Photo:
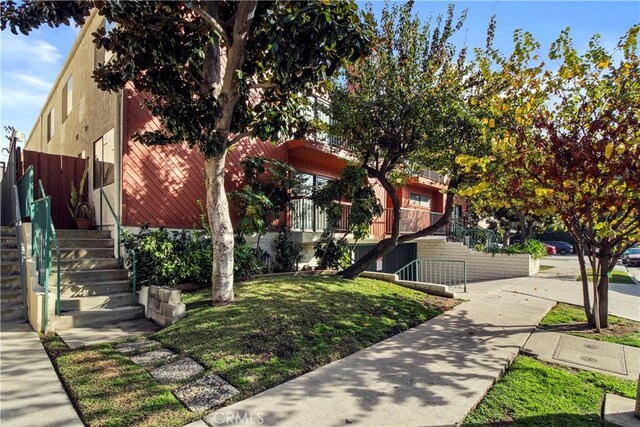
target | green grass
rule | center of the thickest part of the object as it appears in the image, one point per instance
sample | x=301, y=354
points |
x=275, y=330
x=572, y=319
x=545, y=267
x=108, y=389
x=533, y=393
x=280, y=328
x=617, y=276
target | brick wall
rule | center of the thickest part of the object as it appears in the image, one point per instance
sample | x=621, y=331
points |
x=480, y=265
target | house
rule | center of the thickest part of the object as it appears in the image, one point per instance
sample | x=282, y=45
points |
x=135, y=184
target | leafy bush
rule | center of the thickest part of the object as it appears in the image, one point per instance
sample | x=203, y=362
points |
x=167, y=258
x=331, y=252
x=247, y=260
x=535, y=248
x=288, y=253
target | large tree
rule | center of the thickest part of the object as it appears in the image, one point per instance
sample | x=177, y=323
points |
x=414, y=104
x=570, y=134
x=215, y=72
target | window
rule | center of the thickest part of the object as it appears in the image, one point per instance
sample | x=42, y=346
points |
x=103, y=160
x=421, y=200
x=67, y=98
x=102, y=56
x=50, y=124
x=457, y=211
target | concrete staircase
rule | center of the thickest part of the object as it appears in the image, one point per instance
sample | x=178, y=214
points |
x=11, y=301
x=94, y=292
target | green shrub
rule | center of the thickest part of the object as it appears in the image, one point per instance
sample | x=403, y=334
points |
x=167, y=258
x=332, y=253
x=247, y=260
x=288, y=253
x=535, y=248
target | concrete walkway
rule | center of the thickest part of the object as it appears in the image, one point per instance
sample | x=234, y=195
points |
x=430, y=375
x=31, y=393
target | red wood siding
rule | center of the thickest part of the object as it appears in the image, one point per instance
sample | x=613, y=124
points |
x=56, y=172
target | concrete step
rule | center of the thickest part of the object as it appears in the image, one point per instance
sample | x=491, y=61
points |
x=15, y=312
x=121, y=299
x=87, y=276
x=73, y=253
x=10, y=297
x=76, y=319
x=9, y=268
x=7, y=231
x=8, y=242
x=83, y=234
x=85, y=264
x=83, y=243
x=11, y=281
x=94, y=289
x=8, y=254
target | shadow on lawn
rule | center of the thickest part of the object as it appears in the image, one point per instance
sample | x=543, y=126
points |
x=552, y=420
x=301, y=331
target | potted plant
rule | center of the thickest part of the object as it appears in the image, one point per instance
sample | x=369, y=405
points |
x=80, y=208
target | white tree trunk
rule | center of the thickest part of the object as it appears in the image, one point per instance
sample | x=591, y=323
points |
x=221, y=230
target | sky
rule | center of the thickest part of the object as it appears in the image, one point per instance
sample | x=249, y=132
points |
x=30, y=65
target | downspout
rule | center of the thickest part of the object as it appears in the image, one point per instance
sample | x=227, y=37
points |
x=118, y=136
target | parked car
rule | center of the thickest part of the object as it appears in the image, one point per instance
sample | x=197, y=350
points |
x=563, y=248
x=631, y=257
x=551, y=250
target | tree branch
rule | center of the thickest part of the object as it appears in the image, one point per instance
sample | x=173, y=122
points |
x=238, y=137
x=217, y=25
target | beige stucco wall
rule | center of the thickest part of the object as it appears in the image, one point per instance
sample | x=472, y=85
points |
x=93, y=111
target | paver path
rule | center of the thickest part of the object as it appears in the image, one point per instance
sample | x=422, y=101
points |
x=430, y=375
x=31, y=393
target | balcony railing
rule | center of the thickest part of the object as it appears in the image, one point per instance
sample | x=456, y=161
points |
x=306, y=216
x=411, y=220
x=434, y=176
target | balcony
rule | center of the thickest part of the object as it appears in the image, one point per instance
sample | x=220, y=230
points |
x=435, y=176
x=412, y=220
x=306, y=216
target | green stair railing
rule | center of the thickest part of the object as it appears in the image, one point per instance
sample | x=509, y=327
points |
x=41, y=249
x=473, y=237
x=54, y=236
x=119, y=231
x=437, y=271
x=25, y=193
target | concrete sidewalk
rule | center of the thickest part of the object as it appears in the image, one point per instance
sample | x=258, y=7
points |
x=431, y=375
x=30, y=393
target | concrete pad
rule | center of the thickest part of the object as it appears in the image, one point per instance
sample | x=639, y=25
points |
x=206, y=393
x=31, y=393
x=198, y=423
x=584, y=353
x=153, y=356
x=78, y=337
x=619, y=411
x=433, y=374
x=133, y=346
x=177, y=371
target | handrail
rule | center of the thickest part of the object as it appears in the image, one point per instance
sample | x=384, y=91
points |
x=26, y=209
x=440, y=271
x=54, y=235
x=22, y=255
x=119, y=230
x=41, y=249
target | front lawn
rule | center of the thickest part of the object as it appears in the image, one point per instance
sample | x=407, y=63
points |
x=277, y=329
x=533, y=393
x=572, y=320
x=280, y=328
x=617, y=276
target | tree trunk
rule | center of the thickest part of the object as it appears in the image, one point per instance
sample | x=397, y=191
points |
x=585, y=284
x=523, y=225
x=221, y=230
x=603, y=293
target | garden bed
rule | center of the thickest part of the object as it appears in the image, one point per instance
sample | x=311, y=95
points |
x=278, y=328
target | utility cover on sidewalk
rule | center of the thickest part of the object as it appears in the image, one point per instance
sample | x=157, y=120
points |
x=594, y=354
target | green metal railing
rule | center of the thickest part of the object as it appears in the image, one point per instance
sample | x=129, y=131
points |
x=21, y=253
x=437, y=271
x=54, y=236
x=25, y=193
x=475, y=238
x=119, y=231
x=41, y=249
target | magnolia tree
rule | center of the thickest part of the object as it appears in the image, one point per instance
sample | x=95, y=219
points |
x=215, y=72
x=570, y=135
x=414, y=104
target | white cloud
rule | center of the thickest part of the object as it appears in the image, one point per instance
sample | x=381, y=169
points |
x=29, y=50
x=31, y=80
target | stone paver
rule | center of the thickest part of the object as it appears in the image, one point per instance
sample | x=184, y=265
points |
x=583, y=353
x=430, y=375
x=619, y=411
x=153, y=356
x=177, y=371
x=78, y=337
x=206, y=393
x=31, y=393
x=133, y=346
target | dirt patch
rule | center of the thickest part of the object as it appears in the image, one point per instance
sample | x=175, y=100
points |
x=584, y=329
